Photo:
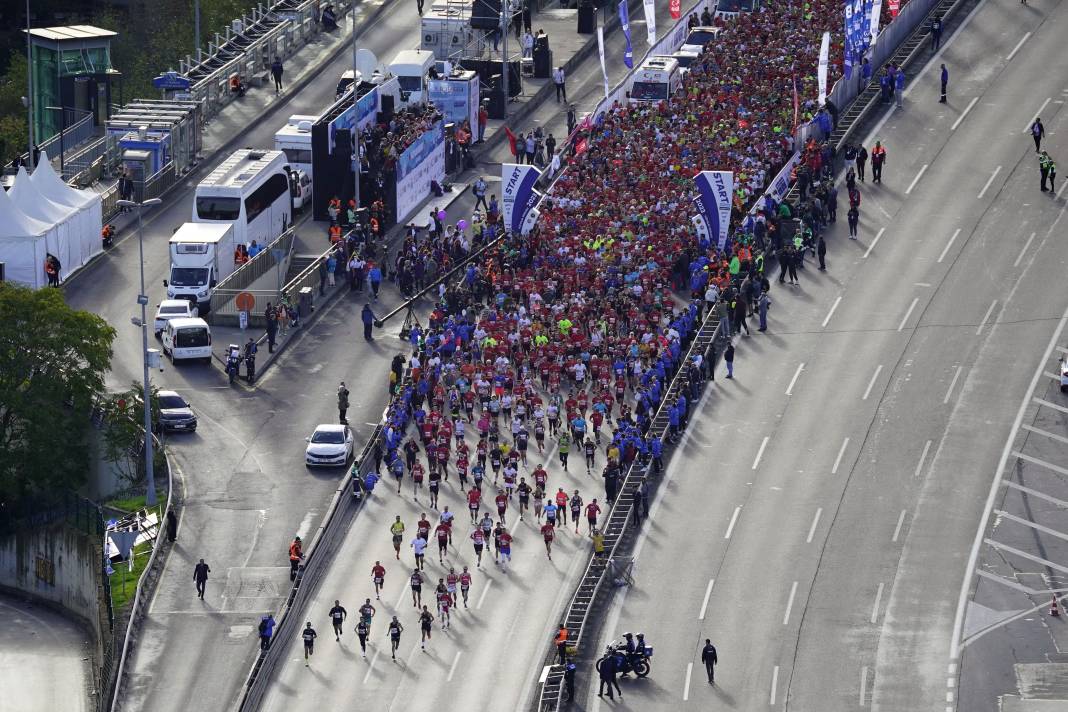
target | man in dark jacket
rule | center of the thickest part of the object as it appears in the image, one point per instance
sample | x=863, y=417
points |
x=200, y=577
x=709, y=658
x=368, y=318
x=607, y=669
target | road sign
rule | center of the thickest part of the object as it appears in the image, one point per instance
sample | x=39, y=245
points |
x=245, y=301
x=242, y=320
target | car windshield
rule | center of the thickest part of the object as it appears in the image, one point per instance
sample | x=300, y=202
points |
x=189, y=276
x=169, y=402
x=700, y=38
x=649, y=91
x=333, y=437
x=176, y=309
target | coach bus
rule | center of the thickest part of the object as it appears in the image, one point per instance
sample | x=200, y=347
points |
x=250, y=189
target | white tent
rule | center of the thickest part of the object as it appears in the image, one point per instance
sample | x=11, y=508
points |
x=87, y=202
x=23, y=245
x=66, y=244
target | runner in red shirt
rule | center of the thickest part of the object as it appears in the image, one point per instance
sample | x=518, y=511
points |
x=465, y=584
x=474, y=498
x=378, y=575
x=478, y=537
x=592, y=510
x=548, y=532
x=444, y=604
x=502, y=504
x=561, y=505
x=442, y=533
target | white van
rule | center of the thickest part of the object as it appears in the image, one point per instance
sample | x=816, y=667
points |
x=656, y=80
x=186, y=339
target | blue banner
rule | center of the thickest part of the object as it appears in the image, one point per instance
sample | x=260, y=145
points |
x=857, y=32
x=420, y=149
x=714, y=202
x=624, y=21
x=518, y=195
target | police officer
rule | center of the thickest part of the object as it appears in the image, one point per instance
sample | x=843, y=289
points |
x=709, y=658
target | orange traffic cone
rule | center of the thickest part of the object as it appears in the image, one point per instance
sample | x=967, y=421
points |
x=1054, y=609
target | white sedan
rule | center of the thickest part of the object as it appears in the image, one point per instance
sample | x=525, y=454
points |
x=329, y=445
x=172, y=309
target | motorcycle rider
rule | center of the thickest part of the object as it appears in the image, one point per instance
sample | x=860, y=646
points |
x=250, y=360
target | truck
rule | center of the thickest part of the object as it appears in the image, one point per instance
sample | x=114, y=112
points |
x=202, y=255
x=411, y=67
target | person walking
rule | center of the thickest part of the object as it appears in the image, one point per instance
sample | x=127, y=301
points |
x=1038, y=132
x=728, y=358
x=266, y=629
x=558, y=80
x=276, y=73
x=821, y=253
x=172, y=525
x=368, y=318
x=342, y=402
x=862, y=159
x=572, y=120
x=854, y=220
x=296, y=554
x=479, y=189
x=878, y=158
x=709, y=658
x=200, y=577
x=764, y=302
x=936, y=33
x=899, y=85
x=945, y=81
x=607, y=669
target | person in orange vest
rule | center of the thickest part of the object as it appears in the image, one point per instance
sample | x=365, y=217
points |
x=296, y=554
x=561, y=643
x=878, y=158
x=335, y=233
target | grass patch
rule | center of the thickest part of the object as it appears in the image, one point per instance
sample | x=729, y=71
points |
x=132, y=504
x=124, y=581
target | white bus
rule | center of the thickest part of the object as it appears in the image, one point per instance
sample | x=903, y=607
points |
x=294, y=140
x=250, y=189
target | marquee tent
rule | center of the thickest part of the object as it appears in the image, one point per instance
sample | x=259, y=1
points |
x=86, y=202
x=66, y=242
x=23, y=245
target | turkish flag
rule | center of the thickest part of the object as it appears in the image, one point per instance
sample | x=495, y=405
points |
x=511, y=140
x=581, y=146
x=675, y=6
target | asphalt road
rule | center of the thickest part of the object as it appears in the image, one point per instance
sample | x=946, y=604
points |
x=842, y=474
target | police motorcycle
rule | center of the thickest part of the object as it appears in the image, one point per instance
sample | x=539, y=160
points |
x=632, y=655
x=233, y=361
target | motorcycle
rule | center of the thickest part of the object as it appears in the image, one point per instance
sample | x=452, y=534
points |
x=233, y=362
x=637, y=662
x=107, y=236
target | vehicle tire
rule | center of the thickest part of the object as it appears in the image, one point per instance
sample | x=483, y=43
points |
x=641, y=668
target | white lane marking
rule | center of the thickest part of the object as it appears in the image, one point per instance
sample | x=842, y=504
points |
x=841, y=451
x=1043, y=401
x=704, y=603
x=686, y=687
x=905, y=319
x=949, y=391
x=878, y=601
x=1012, y=54
x=963, y=114
x=863, y=685
x=1063, y=185
x=871, y=383
x=872, y=245
x=1034, y=116
x=1024, y=250
x=789, y=604
x=1041, y=463
x=831, y=312
x=916, y=179
x=760, y=452
x=790, y=388
x=948, y=245
x=988, y=182
x=452, y=668
x=483, y=596
x=897, y=529
x=371, y=667
x=815, y=523
x=774, y=683
x=995, y=487
x=986, y=316
x=734, y=519
x=923, y=457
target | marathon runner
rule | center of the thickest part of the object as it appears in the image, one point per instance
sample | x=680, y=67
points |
x=426, y=622
x=397, y=530
x=378, y=575
x=395, y=630
x=478, y=537
x=465, y=583
x=548, y=532
x=308, y=635
x=337, y=617
x=417, y=588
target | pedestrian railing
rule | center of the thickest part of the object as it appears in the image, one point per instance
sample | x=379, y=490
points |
x=252, y=277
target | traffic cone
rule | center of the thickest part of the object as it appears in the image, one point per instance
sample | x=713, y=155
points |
x=1054, y=609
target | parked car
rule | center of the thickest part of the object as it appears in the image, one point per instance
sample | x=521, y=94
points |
x=175, y=413
x=329, y=445
x=172, y=309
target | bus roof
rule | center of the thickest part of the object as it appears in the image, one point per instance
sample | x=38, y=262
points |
x=243, y=166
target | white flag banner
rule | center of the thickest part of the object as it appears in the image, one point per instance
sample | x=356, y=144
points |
x=600, y=51
x=821, y=74
x=876, y=10
x=650, y=21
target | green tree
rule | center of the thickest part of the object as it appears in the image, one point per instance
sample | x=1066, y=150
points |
x=52, y=364
x=123, y=432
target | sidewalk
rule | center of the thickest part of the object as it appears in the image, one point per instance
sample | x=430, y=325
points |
x=44, y=659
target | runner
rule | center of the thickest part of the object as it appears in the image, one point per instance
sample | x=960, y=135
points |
x=592, y=510
x=561, y=506
x=395, y=630
x=367, y=612
x=591, y=451
x=541, y=477
x=338, y=614
x=419, y=545
x=524, y=496
x=418, y=473
x=444, y=604
x=576, y=509
x=362, y=629
x=548, y=532
x=502, y=503
x=539, y=500
x=550, y=512
x=442, y=533
x=465, y=583
x=397, y=530
x=478, y=537
x=309, y=635
x=478, y=473
x=378, y=575
x=417, y=588
x=506, y=549
x=451, y=579
x=539, y=435
x=433, y=485
x=474, y=500
x=426, y=622
x=497, y=531
x=446, y=519
x=563, y=447
x=422, y=527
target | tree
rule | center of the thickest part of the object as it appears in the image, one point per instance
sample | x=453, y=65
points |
x=52, y=364
x=123, y=432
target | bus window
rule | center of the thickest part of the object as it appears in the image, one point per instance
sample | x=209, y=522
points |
x=218, y=208
x=263, y=197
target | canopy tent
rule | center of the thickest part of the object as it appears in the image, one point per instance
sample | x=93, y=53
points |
x=66, y=243
x=87, y=202
x=23, y=245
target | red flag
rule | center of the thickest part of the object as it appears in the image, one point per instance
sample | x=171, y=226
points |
x=581, y=146
x=895, y=6
x=511, y=140
x=675, y=6
x=797, y=101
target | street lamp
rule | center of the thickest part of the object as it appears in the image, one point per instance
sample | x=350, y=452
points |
x=142, y=299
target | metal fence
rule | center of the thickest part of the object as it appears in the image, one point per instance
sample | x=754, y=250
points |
x=42, y=510
x=250, y=277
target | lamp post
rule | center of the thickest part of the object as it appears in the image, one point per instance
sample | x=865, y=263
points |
x=357, y=164
x=142, y=299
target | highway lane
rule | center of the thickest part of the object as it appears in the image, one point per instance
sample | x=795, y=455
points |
x=836, y=585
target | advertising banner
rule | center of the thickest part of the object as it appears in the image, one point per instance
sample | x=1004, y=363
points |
x=821, y=73
x=456, y=100
x=360, y=115
x=715, y=190
x=600, y=53
x=518, y=197
x=421, y=163
x=624, y=22
x=857, y=31
x=650, y=21
x=876, y=11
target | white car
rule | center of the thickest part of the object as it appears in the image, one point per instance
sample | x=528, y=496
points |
x=300, y=189
x=698, y=38
x=173, y=309
x=329, y=445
